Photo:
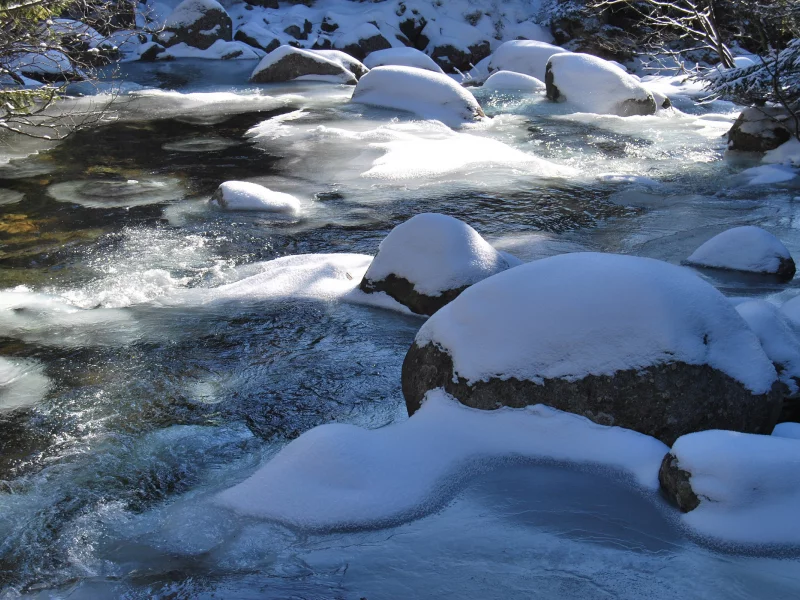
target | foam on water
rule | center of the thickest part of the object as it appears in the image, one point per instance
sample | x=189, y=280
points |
x=22, y=383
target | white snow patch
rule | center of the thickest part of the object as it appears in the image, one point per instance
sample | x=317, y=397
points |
x=403, y=57
x=425, y=93
x=508, y=81
x=769, y=174
x=787, y=430
x=777, y=335
x=435, y=253
x=191, y=11
x=746, y=248
x=524, y=56
x=219, y=50
x=244, y=195
x=339, y=475
x=787, y=153
x=582, y=314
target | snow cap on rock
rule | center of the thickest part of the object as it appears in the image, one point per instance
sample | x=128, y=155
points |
x=244, y=195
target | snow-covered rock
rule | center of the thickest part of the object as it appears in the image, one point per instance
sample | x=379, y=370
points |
x=429, y=260
x=508, y=81
x=287, y=63
x=594, y=85
x=523, y=56
x=355, y=66
x=243, y=195
x=403, y=57
x=455, y=45
x=256, y=35
x=739, y=487
x=47, y=65
x=424, y=93
x=622, y=340
x=748, y=249
x=760, y=128
x=361, y=41
x=778, y=337
x=197, y=23
x=219, y=50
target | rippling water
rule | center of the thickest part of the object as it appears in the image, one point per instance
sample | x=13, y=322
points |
x=143, y=398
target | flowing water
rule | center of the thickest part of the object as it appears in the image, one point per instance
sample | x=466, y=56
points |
x=145, y=366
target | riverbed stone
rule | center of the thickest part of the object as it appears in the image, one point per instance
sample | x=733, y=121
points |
x=676, y=484
x=759, y=129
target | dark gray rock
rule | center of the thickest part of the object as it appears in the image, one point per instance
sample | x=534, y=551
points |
x=150, y=52
x=366, y=46
x=241, y=36
x=664, y=401
x=213, y=24
x=264, y=3
x=676, y=484
x=403, y=291
x=296, y=32
x=759, y=129
x=450, y=58
x=328, y=25
x=296, y=64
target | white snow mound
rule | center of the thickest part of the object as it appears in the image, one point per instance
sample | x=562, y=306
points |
x=340, y=475
x=777, y=335
x=582, y=314
x=594, y=85
x=436, y=253
x=745, y=248
x=524, y=56
x=243, y=195
x=424, y=93
x=402, y=57
x=191, y=11
x=748, y=485
x=787, y=430
x=508, y=81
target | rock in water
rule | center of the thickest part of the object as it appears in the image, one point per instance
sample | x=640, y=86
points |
x=759, y=129
x=425, y=93
x=287, y=63
x=747, y=248
x=429, y=260
x=198, y=23
x=244, y=195
x=594, y=85
x=622, y=340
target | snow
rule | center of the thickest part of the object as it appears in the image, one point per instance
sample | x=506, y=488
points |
x=769, y=174
x=404, y=57
x=594, y=85
x=435, y=253
x=787, y=430
x=69, y=27
x=191, y=11
x=338, y=475
x=344, y=60
x=243, y=195
x=48, y=62
x=778, y=337
x=582, y=314
x=219, y=50
x=352, y=36
x=786, y=153
x=282, y=52
x=424, y=93
x=746, y=248
x=507, y=81
x=524, y=56
x=791, y=308
x=22, y=383
x=748, y=485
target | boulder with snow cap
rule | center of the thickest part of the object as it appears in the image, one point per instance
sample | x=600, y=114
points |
x=455, y=58
x=429, y=260
x=760, y=128
x=361, y=41
x=197, y=23
x=425, y=93
x=287, y=63
x=626, y=341
x=508, y=81
x=403, y=57
x=747, y=248
x=594, y=85
x=523, y=56
x=356, y=67
x=256, y=35
x=244, y=195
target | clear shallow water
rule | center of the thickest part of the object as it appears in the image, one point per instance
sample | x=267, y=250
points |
x=155, y=400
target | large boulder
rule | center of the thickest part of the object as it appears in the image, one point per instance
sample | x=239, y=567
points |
x=622, y=340
x=429, y=260
x=749, y=249
x=403, y=57
x=361, y=41
x=256, y=35
x=286, y=63
x=523, y=56
x=456, y=57
x=425, y=93
x=355, y=66
x=760, y=128
x=197, y=23
x=594, y=85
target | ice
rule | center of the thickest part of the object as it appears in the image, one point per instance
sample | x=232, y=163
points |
x=190, y=11
x=340, y=476
x=107, y=193
x=769, y=174
x=746, y=248
x=582, y=314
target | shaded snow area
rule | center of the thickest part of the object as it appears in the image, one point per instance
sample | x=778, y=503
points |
x=584, y=314
x=745, y=248
x=341, y=476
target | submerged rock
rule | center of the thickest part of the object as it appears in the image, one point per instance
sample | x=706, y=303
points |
x=287, y=63
x=594, y=85
x=759, y=129
x=750, y=249
x=622, y=340
x=429, y=260
x=197, y=23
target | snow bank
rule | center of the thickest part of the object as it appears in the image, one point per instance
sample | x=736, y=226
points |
x=507, y=81
x=424, y=93
x=22, y=383
x=243, y=195
x=787, y=430
x=435, y=253
x=582, y=314
x=787, y=153
x=524, y=56
x=748, y=485
x=594, y=85
x=745, y=248
x=402, y=57
x=777, y=335
x=337, y=475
